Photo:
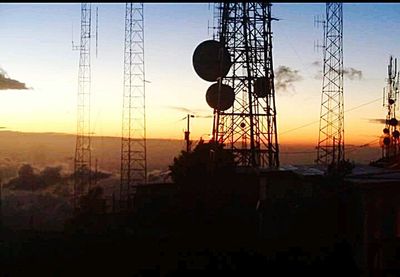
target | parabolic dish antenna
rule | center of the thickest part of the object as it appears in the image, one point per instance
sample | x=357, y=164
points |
x=211, y=60
x=226, y=97
x=262, y=87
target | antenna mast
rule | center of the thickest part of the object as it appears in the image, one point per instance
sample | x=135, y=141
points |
x=390, y=133
x=82, y=162
x=133, y=141
x=245, y=31
x=330, y=149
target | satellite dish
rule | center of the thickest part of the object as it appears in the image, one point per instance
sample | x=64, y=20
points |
x=226, y=97
x=386, y=141
x=393, y=122
x=262, y=86
x=386, y=131
x=211, y=60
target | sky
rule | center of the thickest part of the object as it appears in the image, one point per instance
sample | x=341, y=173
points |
x=36, y=49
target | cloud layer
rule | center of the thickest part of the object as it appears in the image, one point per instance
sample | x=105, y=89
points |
x=285, y=77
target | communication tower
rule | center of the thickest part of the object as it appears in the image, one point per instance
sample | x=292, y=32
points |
x=390, y=138
x=239, y=62
x=330, y=149
x=133, y=141
x=82, y=161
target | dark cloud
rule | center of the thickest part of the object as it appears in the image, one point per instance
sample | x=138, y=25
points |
x=193, y=112
x=383, y=121
x=349, y=73
x=377, y=120
x=28, y=179
x=285, y=77
x=352, y=73
x=182, y=109
x=318, y=75
x=316, y=63
x=7, y=83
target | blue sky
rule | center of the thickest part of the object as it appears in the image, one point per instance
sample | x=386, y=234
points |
x=35, y=48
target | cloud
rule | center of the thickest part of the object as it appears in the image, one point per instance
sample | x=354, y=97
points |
x=8, y=83
x=192, y=111
x=318, y=75
x=349, y=72
x=285, y=77
x=352, y=73
x=316, y=63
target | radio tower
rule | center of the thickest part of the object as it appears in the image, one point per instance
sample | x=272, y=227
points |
x=82, y=162
x=330, y=149
x=133, y=142
x=244, y=108
x=390, y=146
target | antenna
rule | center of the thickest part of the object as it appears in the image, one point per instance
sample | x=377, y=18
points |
x=74, y=47
x=391, y=135
x=330, y=149
x=97, y=28
x=318, y=22
x=72, y=34
x=82, y=161
x=133, y=139
x=241, y=56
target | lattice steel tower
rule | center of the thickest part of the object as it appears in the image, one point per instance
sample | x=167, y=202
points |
x=248, y=128
x=391, y=134
x=330, y=149
x=82, y=162
x=133, y=142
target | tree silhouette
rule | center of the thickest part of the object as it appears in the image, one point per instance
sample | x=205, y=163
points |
x=207, y=162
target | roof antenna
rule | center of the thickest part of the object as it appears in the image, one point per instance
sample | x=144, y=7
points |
x=97, y=28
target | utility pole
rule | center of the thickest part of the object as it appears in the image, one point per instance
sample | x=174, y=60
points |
x=187, y=133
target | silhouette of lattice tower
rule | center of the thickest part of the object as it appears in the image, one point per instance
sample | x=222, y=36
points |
x=249, y=127
x=133, y=141
x=390, y=138
x=330, y=149
x=82, y=161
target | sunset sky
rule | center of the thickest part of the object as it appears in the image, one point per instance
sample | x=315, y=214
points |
x=35, y=48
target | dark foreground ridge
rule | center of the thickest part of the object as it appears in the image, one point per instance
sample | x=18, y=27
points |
x=216, y=218
x=196, y=254
x=217, y=229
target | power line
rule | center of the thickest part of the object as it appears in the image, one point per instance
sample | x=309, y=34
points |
x=316, y=121
x=353, y=148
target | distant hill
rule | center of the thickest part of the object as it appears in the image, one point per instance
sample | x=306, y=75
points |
x=53, y=149
x=48, y=208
